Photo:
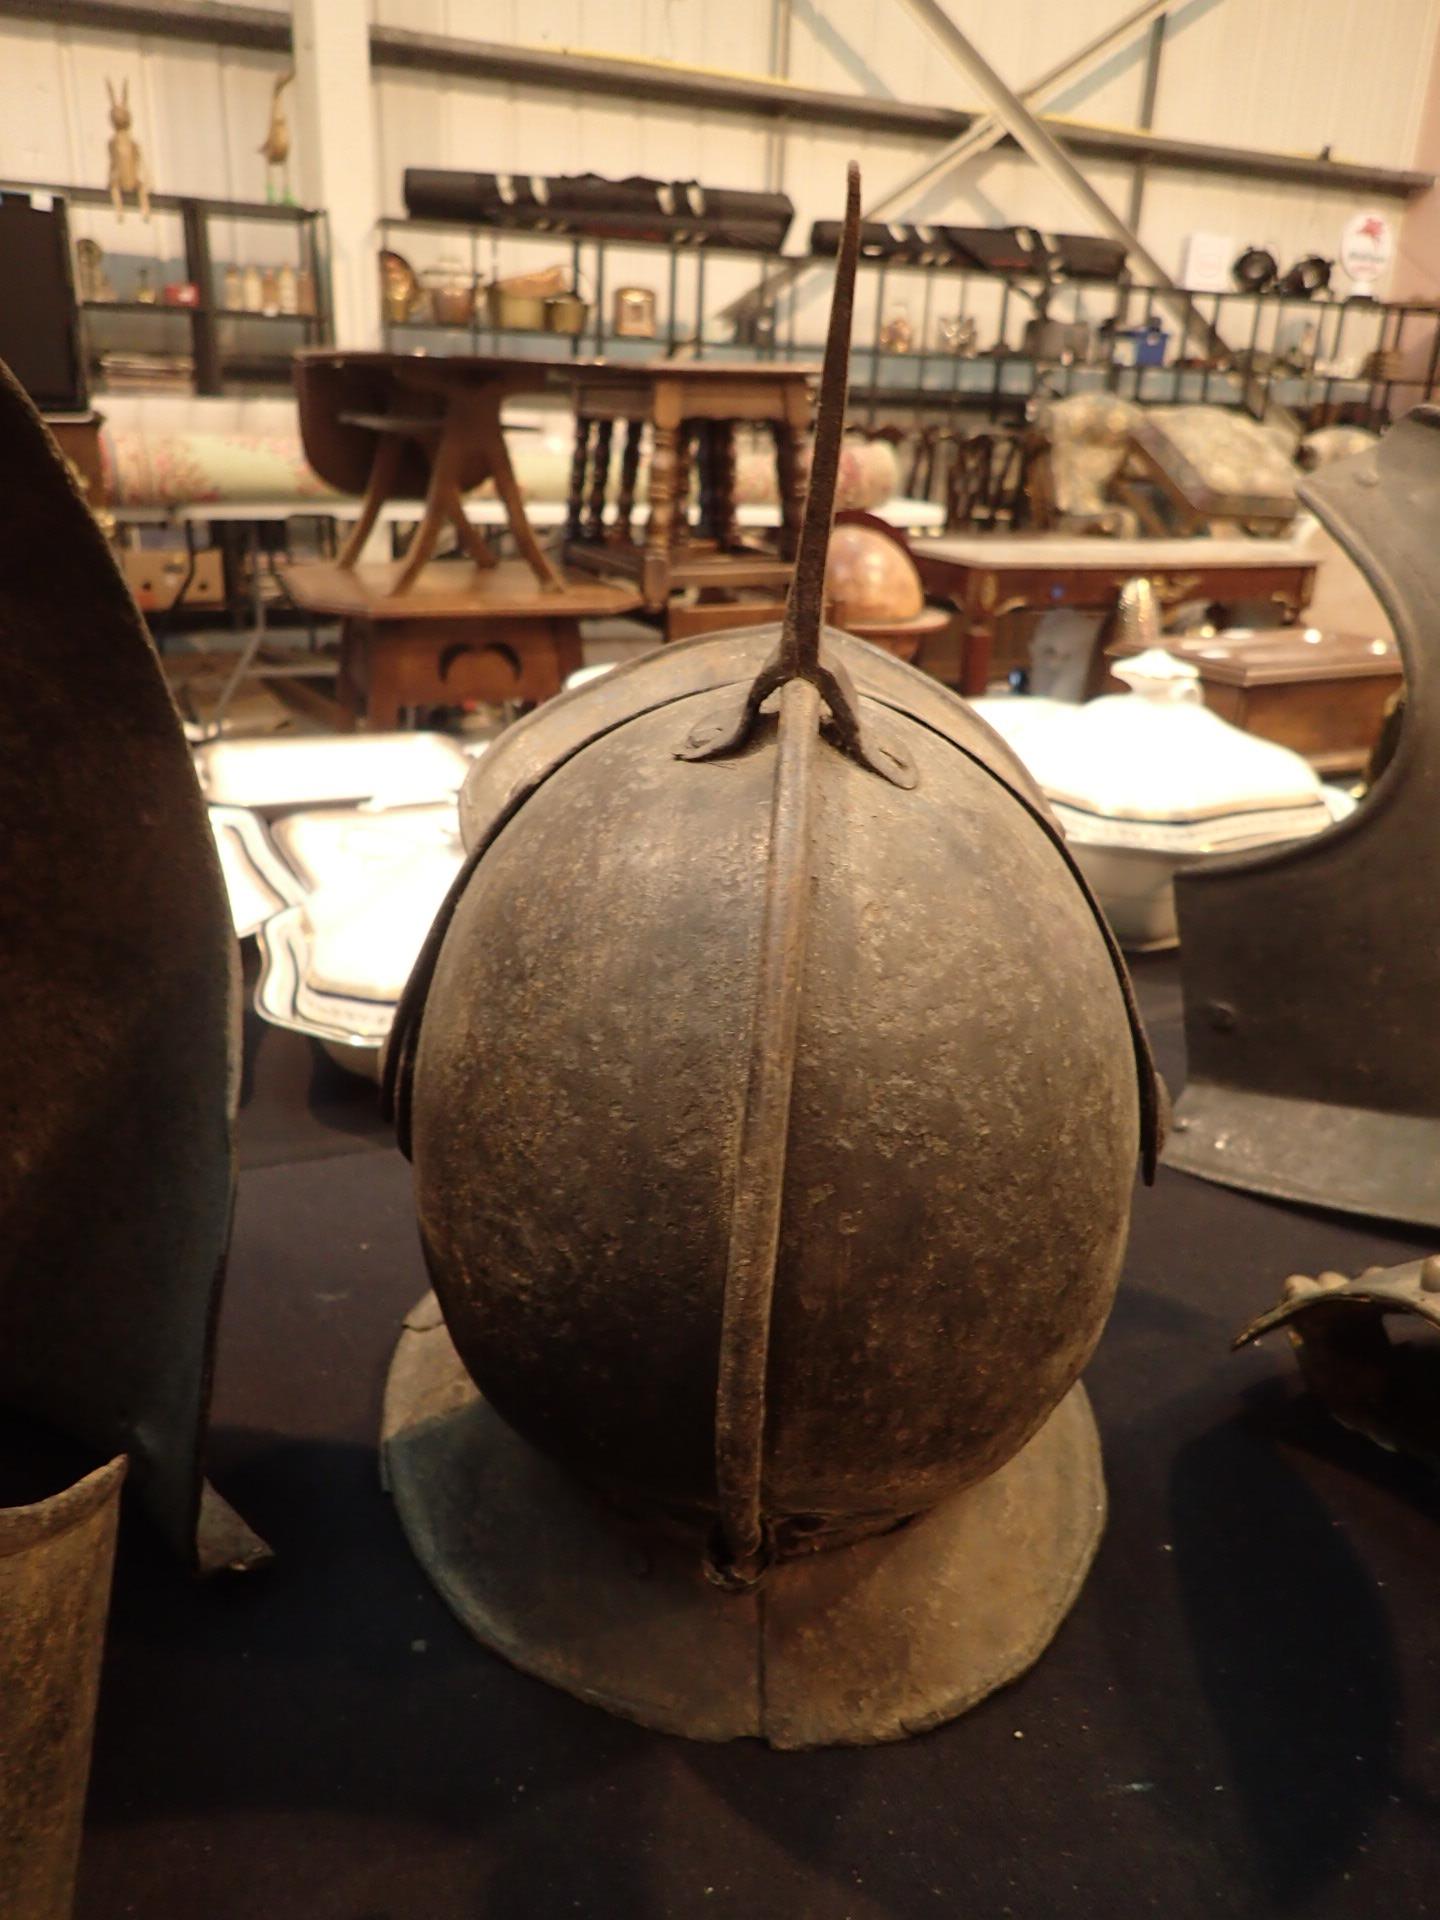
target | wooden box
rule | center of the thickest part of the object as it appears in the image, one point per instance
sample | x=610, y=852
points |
x=155, y=576
x=1324, y=694
x=78, y=437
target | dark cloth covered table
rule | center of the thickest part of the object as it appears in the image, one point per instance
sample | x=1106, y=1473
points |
x=1241, y=1716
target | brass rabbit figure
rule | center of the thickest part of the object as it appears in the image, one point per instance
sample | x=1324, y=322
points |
x=127, y=163
x=276, y=145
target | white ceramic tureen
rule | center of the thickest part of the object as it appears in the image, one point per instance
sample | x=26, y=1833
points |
x=1147, y=781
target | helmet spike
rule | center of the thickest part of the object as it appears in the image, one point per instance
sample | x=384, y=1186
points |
x=805, y=608
x=797, y=656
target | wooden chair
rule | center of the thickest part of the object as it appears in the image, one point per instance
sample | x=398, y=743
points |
x=987, y=482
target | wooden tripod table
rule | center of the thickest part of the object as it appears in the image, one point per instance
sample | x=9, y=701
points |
x=402, y=424
x=692, y=409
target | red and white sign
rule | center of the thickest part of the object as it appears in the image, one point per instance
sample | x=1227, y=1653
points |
x=1367, y=248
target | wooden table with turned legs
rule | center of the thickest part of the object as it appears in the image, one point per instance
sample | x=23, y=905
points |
x=691, y=411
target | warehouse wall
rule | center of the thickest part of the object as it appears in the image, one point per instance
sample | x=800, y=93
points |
x=1297, y=75
x=1289, y=75
x=200, y=116
x=1417, y=270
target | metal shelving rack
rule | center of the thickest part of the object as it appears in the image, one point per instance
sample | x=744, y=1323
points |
x=588, y=270
x=229, y=347
x=1002, y=381
x=1375, y=333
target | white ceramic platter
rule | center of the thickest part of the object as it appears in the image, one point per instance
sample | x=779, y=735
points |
x=258, y=880
x=272, y=775
x=355, y=849
x=334, y=965
x=352, y=1031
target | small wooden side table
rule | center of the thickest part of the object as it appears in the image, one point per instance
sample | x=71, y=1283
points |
x=692, y=410
x=388, y=424
x=442, y=641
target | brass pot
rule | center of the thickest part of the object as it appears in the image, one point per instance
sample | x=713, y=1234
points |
x=566, y=313
x=452, y=300
x=524, y=312
x=399, y=289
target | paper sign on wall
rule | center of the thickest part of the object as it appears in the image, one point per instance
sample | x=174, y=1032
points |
x=1205, y=262
x=1367, y=247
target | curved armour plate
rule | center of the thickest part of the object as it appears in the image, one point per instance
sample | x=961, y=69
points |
x=1382, y=1389
x=119, y=1053
x=1311, y=971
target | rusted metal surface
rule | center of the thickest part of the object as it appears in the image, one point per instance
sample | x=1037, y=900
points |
x=743, y=1549
x=1388, y=1392
x=774, y=1093
x=541, y=744
x=55, y=1561
x=963, y=1075
x=119, y=1024
x=1311, y=971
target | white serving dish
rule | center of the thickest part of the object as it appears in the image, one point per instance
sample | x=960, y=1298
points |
x=354, y=848
x=334, y=964
x=258, y=880
x=1148, y=781
x=272, y=775
x=352, y=1031
x=363, y=940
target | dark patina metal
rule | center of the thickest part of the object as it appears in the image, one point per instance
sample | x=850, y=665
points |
x=55, y=1560
x=119, y=1016
x=773, y=1088
x=1312, y=970
x=1387, y=1391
